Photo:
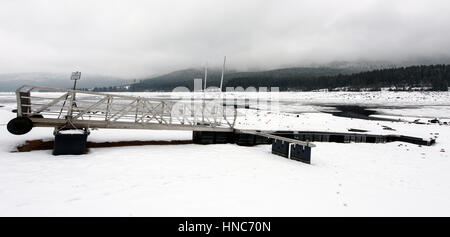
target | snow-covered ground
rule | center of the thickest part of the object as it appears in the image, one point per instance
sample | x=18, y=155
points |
x=394, y=179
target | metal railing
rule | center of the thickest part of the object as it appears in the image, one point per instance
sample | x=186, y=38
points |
x=54, y=107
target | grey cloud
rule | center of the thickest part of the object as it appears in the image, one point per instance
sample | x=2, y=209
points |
x=138, y=38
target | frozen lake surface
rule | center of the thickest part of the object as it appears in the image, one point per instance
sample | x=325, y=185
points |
x=393, y=179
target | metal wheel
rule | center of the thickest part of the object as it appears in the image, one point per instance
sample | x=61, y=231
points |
x=20, y=125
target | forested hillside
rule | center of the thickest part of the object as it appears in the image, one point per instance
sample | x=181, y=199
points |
x=433, y=77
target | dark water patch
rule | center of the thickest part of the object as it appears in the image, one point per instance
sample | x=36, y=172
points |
x=354, y=111
x=357, y=130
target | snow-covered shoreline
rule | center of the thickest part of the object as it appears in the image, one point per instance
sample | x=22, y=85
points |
x=394, y=179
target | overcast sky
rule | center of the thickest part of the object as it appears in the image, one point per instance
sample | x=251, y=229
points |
x=139, y=38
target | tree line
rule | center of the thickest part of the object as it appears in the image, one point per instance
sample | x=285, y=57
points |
x=433, y=77
x=424, y=77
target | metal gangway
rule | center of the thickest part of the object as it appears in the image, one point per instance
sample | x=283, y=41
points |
x=75, y=109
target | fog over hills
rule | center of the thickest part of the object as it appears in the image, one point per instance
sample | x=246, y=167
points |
x=284, y=77
x=11, y=81
x=184, y=77
x=170, y=80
